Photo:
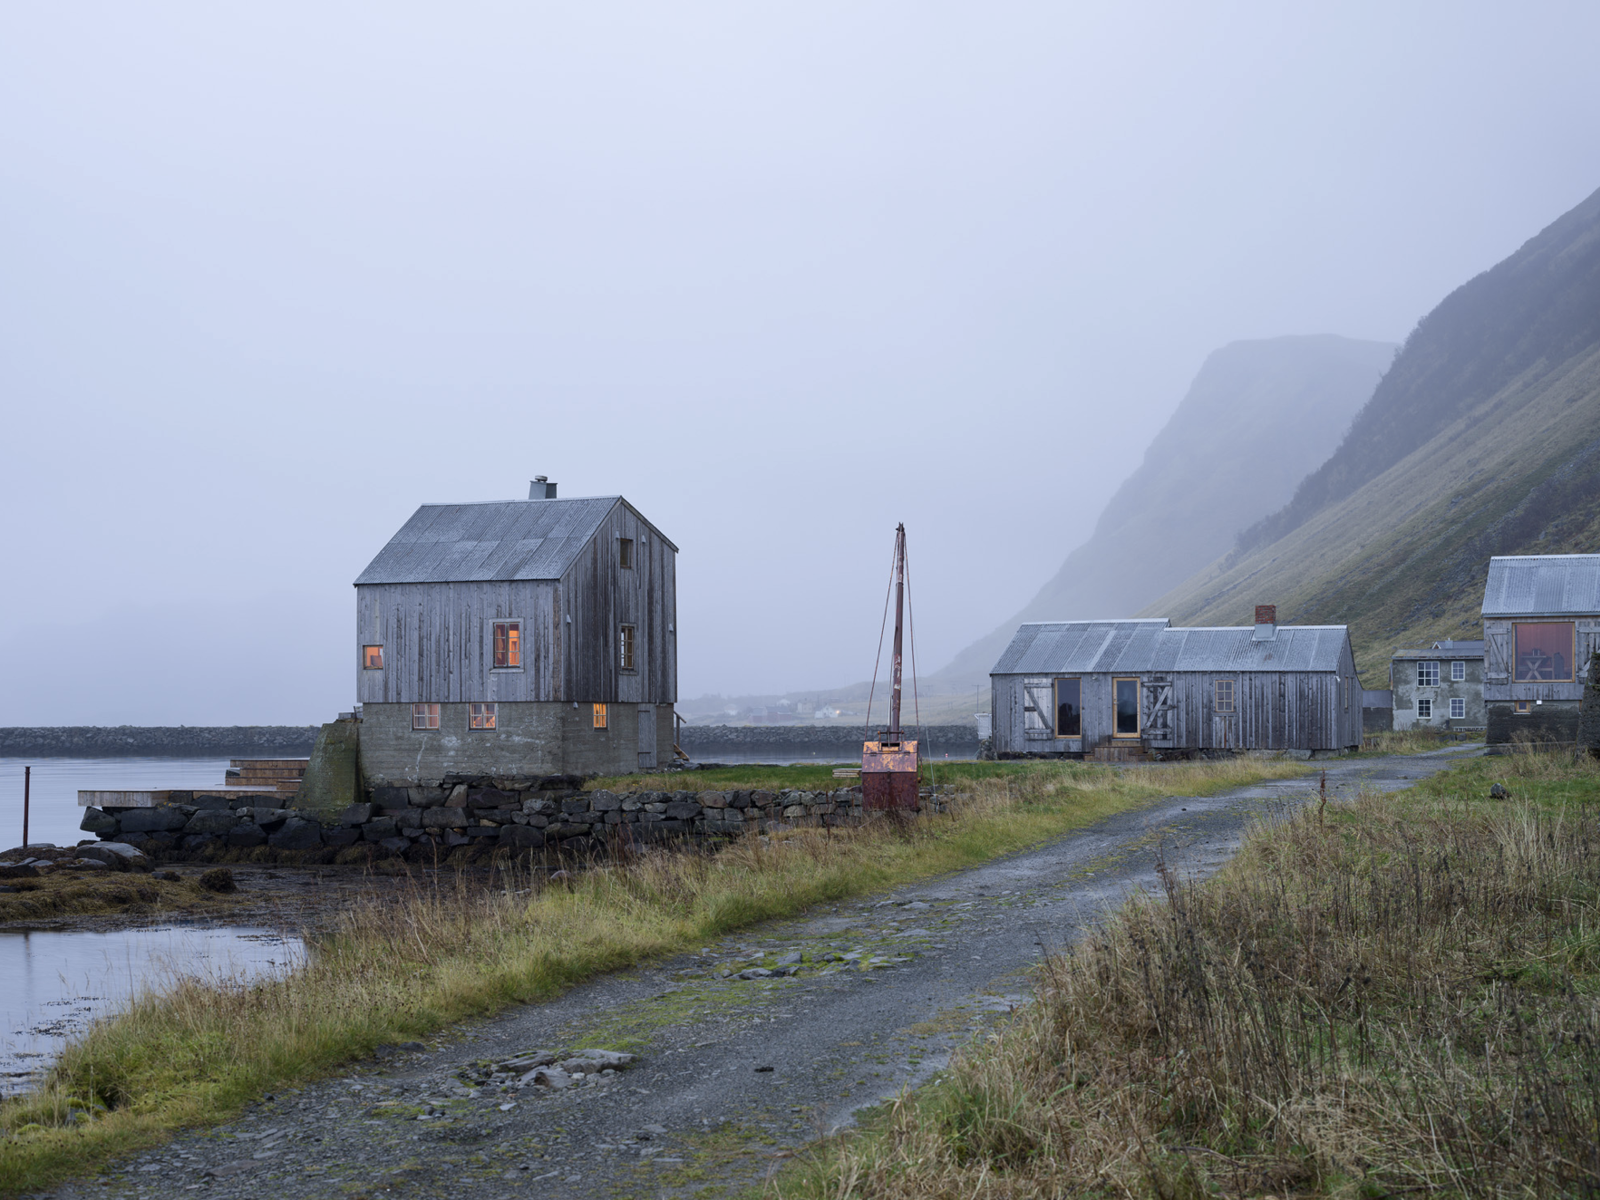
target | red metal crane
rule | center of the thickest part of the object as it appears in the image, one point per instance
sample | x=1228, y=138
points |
x=889, y=764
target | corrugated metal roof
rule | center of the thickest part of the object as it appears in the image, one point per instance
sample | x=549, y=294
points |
x=500, y=539
x=1138, y=646
x=1542, y=585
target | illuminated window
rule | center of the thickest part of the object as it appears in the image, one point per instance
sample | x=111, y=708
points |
x=1427, y=674
x=1069, y=708
x=1222, y=690
x=482, y=716
x=600, y=716
x=625, y=643
x=424, y=716
x=507, y=645
x=372, y=658
x=1522, y=707
x=1424, y=710
x=625, y=553
x=1458, y=672
x=1458, y=708
x=1544, y=652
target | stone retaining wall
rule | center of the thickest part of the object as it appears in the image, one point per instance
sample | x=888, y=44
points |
x=463, y=820
x=705, y=741
x=100, y=741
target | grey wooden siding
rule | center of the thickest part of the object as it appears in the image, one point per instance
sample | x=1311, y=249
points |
x=437, y=637
x=601, y=597
x=1276, y=710
x=1499, y=646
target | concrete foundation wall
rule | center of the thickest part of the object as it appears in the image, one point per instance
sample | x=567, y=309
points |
x=531, y=739
x=1552, y=721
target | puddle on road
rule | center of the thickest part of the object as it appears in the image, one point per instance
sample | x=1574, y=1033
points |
x=57, y=982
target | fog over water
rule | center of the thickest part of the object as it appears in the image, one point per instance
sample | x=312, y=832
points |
x=783, y=275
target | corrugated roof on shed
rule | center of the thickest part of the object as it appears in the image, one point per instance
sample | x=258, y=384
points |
x=495, y=540
x=1542, y=585
x=1138, y=646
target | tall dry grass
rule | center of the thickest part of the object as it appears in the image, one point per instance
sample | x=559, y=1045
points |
x=1399, y=999
x=405, y=965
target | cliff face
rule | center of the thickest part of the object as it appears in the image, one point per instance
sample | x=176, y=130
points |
x=1482, y=439
x=1258, y=417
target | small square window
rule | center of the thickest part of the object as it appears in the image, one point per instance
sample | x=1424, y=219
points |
x=1522, y=707
x=424, y=716
x=1458, y=708
x=1458, y=672
x=601, y=716
x=625, y=553
x=482, y=716
x=1223, y=691
x=625, y=645
x=372, y=658
x=507, y=645
x=1424, y=710
x=1427, y=674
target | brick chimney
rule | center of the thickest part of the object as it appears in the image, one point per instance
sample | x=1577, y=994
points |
x=1266, y=622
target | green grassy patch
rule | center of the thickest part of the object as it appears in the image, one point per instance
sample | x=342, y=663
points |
x=414, y=962
x=807, y=777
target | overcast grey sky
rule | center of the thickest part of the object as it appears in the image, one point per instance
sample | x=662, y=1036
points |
x=781, y=274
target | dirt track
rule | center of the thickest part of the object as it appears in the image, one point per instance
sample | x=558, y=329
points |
x=733, y=1074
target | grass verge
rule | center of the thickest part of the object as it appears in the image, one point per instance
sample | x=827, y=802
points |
x=1400, y=995
x=404, y=966
x=810, y=777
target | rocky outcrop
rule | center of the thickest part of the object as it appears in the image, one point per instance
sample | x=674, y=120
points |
x=463, y=820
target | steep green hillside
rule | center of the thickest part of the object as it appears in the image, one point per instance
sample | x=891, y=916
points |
x=1482, y=439
x=1258, y=416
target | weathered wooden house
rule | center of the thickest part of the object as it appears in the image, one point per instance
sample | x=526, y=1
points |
x=1121, y=688
x=1440, y=687
x=517, y=638
x=1541, y=621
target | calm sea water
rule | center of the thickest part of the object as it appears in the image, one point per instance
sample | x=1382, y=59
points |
x=57, y=982
x=54, y=813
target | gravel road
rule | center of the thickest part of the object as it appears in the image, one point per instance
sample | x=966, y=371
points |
x=733, y=1073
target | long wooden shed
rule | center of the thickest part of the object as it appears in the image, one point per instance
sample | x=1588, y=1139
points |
x=1115, y=688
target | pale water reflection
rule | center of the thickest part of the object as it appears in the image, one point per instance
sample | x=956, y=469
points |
x=54, y=814
x=54, y=983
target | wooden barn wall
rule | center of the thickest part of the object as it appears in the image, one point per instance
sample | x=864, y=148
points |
x=437, y=641
x=437, y=638
x=1498, y=643
x=1277, y=710
x=601, y=597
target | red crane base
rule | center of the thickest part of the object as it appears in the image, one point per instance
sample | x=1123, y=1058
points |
x=889, y=774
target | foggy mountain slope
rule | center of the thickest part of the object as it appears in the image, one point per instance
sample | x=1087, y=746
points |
x=1522, y=318
x=1258, y=417
x=1488, y=442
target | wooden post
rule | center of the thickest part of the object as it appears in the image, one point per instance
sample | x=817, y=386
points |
x=27, y=786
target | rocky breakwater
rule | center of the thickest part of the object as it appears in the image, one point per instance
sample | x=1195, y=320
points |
x=468, y=820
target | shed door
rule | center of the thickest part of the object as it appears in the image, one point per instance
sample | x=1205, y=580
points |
x=647, y=735
x=1038, y=698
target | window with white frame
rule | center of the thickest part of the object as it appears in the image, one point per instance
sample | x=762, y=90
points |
x=1424, y=710
x=1458, y=671
x=1458, y=708
x=1427, y=674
